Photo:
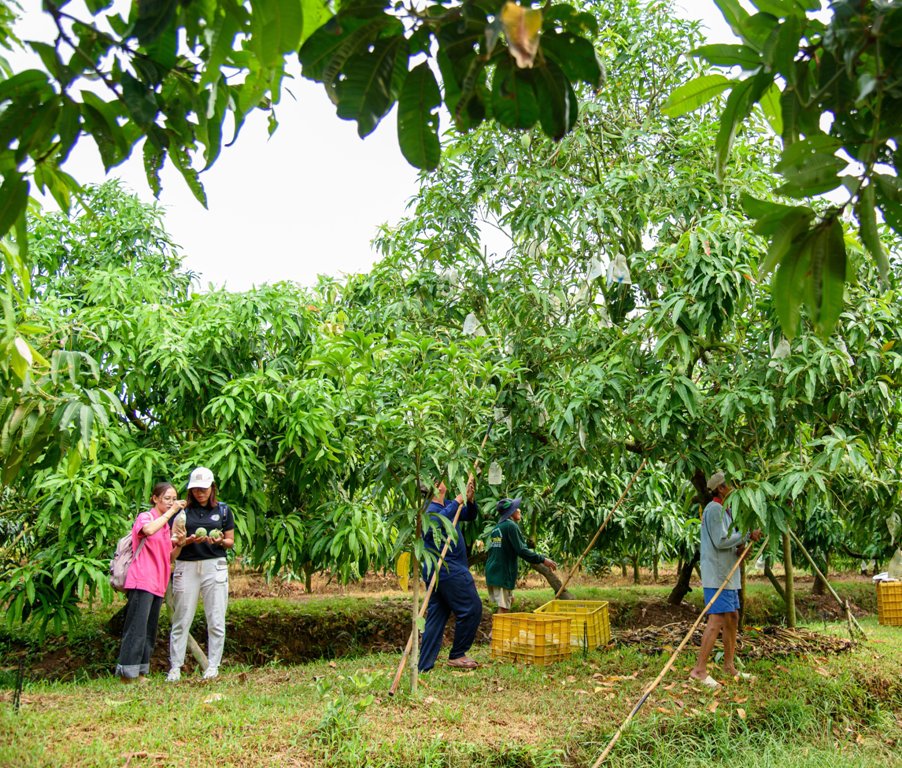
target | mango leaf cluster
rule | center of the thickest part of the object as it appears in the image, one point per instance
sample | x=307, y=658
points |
x=179, y=79
x=366, y=56
x=833, y=92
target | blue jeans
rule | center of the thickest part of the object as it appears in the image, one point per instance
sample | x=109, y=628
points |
x=457, y=595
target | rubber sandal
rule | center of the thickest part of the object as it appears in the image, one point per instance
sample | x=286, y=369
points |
x=462, y=663
x=743, y=676
x=708, y=682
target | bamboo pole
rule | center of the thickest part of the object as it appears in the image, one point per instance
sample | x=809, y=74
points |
x=850, y=618
x=598, y=532
x=648, y=691
x=432, y=582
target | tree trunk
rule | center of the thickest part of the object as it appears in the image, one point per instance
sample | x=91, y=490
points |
x=789, y=595
x=635, y=560
x=308, y=578
x=654, y=568
x=819, y=587
x=682, y=588
x=414, y=613
x=623, y=568
x=772, y=578
x=553, y=581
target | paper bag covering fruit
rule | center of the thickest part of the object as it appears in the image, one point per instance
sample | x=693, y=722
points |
x=179, y=530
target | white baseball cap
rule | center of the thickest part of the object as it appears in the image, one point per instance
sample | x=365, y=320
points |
x=200, y=478
x=714, y=482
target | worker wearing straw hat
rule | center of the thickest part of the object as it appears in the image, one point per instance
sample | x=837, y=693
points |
x=720, y=547
x=455, y=590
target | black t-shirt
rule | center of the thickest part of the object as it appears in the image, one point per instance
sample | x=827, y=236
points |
x=196, y=517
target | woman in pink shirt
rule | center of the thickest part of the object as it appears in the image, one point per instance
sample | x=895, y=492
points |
x=146, y=582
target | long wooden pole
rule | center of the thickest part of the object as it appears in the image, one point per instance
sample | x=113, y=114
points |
x=598, y=532
x=817, y=570
x=432, y=582
x=648, y=691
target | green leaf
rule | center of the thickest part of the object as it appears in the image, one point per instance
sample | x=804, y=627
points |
x=558, y=107
x=787, y=287
x=316, y=13
x=779, y=8
x=760, y=208
x=225, y=27
x=13, y=200
x=889, y=198
x=372, y=82
x=574, y=55
x=782, y=48
x=811, y=166
x=324, y=56
x=787, y=236
x=153, y=162
x=770, y=105
x=828, y=276
x=690, y=96
x=757, y=30
x=866, y=211
x=733, y=13
x=139, y=100
x=514, y=102
x=738, y=107
x=183, y=162
x=722, y=55
x=153, y=17
x=418, y=119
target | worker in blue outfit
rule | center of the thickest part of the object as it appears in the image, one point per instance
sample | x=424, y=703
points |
x=455, y=590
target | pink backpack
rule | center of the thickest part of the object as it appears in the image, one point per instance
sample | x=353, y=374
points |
x=122, y=559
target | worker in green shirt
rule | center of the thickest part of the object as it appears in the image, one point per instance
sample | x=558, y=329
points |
x=506, y=544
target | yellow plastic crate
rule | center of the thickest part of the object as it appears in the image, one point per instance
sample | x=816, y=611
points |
x=889, y=603
x=590, y=620
x=530, y=638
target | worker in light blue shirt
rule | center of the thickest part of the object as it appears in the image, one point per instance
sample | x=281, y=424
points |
x=721, y=546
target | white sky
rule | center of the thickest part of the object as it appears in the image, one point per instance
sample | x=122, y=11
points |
x=307, y=201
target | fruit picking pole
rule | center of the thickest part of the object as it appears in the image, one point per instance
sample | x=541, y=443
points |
x=433, y=581
x=598, y=532
x=843, y=603
x=669, y=664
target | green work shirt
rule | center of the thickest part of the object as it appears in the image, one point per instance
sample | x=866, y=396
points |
x=506, y=544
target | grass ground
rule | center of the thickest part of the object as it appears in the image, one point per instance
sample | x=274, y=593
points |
x=838, y=711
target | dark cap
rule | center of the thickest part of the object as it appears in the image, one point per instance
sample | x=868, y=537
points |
x=507, y=507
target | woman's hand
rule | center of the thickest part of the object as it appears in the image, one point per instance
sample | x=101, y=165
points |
x=550, y=564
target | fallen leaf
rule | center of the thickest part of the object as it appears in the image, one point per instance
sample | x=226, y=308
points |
x=712, y=708
x=663, y=710
x=430, y=700
x=333, y=665
x=214, y=697
x=741, y=713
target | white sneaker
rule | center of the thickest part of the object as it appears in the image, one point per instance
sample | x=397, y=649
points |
x=211, y=673
x=175, y=674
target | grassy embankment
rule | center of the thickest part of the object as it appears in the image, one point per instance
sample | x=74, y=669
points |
x=801, y=711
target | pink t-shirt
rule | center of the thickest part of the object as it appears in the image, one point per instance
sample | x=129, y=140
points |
x=150, y=569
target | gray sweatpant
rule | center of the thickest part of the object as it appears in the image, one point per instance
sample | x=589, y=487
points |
x=209, y=580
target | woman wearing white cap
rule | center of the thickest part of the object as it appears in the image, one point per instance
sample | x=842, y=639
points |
x=201, y=570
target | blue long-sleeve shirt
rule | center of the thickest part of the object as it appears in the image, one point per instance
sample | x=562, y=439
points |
x=456, y=560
